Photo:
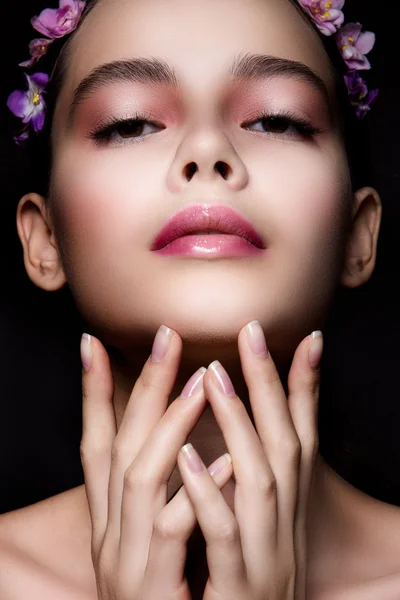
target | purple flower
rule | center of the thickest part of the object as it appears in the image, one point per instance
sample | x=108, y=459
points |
x=364, y=106
x=358, y=93
x=353, y=45
x=355, y=84
x=326, y=14
x=37, y=49
x=30, y=105
x=57, y=22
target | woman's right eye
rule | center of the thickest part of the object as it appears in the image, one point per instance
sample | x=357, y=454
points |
x=117, y=131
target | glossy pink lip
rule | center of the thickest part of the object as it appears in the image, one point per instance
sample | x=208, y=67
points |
x=206, y=217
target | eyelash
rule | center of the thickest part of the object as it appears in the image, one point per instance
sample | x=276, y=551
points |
x=103, y=134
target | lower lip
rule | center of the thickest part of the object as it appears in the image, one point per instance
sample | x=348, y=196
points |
x=211, y=245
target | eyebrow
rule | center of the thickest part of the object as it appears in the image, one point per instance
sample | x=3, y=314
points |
x=154, y=71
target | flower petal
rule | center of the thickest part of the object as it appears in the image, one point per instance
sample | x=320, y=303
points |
x=40, y=79
x=23, y=136
x=38, y=116
x=18, y=103
x=46, y=22
x=352, y=30
x=37, y=48
x=366, y=42
x=360, y=64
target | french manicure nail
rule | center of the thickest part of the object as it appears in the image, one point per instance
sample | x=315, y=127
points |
x=315, y=350
x=219, y=464
x=194, y=383
x=222, y=378
x=192, y=458
x=86, y=351
x=161, y=343
x=256, y=339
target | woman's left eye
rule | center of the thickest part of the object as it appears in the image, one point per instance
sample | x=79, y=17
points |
x=284, y=125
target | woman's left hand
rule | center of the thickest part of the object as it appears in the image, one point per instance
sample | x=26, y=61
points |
x=259, y=551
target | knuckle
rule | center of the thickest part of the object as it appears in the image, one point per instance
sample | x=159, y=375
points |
x=226, y=532
x=90, y=451
x=267, y=486
x=291, y=448
x=166, y=529
x=136, y=478
x=132, y=480
x=147, y=381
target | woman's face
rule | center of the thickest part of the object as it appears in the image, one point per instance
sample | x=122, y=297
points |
x=111, y=195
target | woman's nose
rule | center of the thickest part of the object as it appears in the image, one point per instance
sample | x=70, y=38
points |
x=207, y=156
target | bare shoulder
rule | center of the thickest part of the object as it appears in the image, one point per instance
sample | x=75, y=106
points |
x=45, y=550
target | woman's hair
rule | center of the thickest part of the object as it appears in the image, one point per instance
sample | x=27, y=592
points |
x=40, y=146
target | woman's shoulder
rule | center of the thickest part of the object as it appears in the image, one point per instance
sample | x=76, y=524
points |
x=45, y=550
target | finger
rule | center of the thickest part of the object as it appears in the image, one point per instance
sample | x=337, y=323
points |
x=146, y=480
x=218, y=523
x=255, y=492
x=303, y=386
x=98, y=432
x=172, y=529
x=272, y=417
x=147, y=404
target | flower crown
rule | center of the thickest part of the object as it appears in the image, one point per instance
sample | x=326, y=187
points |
x=55, y=23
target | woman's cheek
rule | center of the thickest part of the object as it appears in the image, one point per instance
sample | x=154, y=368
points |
x=98, y=195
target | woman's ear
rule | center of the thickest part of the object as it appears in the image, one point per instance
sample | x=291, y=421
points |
x=41, y=255
x=362, y=240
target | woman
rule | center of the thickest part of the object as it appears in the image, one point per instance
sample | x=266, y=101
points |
x=234, y=105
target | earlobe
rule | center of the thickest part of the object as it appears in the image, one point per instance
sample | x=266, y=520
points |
x=41, y=256
x=360, y=252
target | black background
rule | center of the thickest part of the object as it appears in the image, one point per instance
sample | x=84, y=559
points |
x=40, y=416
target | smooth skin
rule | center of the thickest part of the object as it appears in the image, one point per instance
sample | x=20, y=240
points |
x=255, y=551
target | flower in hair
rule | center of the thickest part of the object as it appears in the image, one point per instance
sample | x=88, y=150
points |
x=29, y=105
x=359, y=95
x=326, y=14
x=37, y=48
x=353, y=45
x=57, y=22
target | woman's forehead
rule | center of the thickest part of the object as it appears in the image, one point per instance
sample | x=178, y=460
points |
x=199, y=39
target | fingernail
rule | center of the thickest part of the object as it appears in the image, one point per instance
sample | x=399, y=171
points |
x=315, y=350
x=222, y=378
x=194, y=383
x=219, y=464
x=86, y=351
x=192, y=458
x=161, y=343
x=256, y=339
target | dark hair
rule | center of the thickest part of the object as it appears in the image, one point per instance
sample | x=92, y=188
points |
x=350, y=128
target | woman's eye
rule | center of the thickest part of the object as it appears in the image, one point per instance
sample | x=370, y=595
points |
x=284, y=125
x=124, y=130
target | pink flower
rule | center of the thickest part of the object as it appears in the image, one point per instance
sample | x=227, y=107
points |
x=353, y=45
x=326, y=14
x=57, y=22
x=37, y=48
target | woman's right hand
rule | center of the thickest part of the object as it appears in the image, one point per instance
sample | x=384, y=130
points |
x=138, y=540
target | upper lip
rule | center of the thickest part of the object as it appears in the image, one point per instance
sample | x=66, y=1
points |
x=206, y=217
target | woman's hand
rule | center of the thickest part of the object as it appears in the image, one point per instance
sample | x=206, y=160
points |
x=138, y=540
x=259, y=551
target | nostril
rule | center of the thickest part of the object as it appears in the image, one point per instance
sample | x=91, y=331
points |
x=190, y=170
x=222, y=168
